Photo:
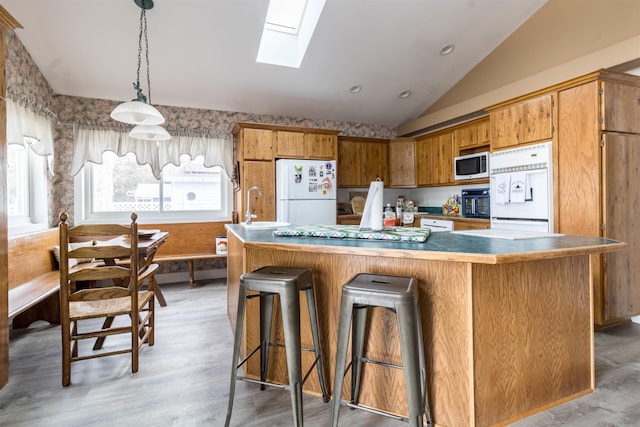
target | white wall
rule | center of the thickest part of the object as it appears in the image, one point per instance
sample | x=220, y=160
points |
x=432, y=196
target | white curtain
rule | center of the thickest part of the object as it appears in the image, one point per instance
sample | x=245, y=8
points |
x=23, y=123
x=89, y=144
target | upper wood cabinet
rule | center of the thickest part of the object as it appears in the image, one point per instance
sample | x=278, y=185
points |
x=620, y=106
x=321, y=145
x=256, y=144
x=522, y=122
x=289, y=144
x=402, y=162
x=306, y=144
x=471, y=137
x=434, y=159
x=362, y=160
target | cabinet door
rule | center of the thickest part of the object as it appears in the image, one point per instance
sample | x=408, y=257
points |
x=442, y=159
x=402, y=163
x=465, y=137
x=375, y=162
x=289, y=144
x=621, y=107
x=483, y=132
x=257, y=144
x=526, y=121
x=504, y=127
x=349, y=163
x=424, y=160
x=320, y=146
x=536, y=120
x=261, y=174
x=621, y=199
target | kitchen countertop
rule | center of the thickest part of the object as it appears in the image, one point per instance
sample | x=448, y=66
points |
x=444, y=246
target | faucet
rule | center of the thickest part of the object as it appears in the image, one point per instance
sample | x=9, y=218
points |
x=248, y=215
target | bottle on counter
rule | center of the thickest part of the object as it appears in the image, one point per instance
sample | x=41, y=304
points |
x=399, y=210
x=389, y=216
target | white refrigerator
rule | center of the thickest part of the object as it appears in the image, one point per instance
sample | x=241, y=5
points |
x=306, y=191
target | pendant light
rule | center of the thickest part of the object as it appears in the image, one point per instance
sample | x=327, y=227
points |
x=138, y=111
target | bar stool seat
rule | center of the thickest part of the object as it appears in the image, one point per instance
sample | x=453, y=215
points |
x=287, y=283
x=399, y=294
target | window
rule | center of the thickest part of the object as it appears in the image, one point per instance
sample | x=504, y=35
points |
x=186, y=192
x=26, y=189
x=288, y=28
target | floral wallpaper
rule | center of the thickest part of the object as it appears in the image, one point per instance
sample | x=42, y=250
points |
x=27, y=85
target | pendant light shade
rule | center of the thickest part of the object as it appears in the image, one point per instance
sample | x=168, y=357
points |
x=138, y=111
x=150, y=133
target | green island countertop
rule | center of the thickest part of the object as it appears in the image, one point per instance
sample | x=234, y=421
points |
x=439, y=246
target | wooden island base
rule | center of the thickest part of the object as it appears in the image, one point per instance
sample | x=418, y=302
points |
x=502, y=341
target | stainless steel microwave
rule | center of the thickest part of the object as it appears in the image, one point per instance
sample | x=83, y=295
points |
x=471, y=166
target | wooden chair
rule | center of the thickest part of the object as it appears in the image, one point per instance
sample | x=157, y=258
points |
x=120, y=297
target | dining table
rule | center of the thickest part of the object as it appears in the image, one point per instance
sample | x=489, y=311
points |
x=148, y=243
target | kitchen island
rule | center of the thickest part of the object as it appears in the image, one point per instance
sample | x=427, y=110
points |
x=508, y=324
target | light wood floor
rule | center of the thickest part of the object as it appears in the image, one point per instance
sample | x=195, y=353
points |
x=184, y=379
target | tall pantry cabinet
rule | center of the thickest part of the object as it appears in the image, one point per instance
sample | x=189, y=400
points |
x=598, y=182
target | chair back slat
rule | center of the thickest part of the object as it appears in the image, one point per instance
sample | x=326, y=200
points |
x=111, y=292
x=100, y=273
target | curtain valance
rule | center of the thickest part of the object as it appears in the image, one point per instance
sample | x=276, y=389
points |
x=38, y=130
x=90, y=143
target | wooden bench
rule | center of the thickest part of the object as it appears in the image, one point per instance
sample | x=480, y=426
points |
x=189, y=258
x=33, y=279
x=189, y=242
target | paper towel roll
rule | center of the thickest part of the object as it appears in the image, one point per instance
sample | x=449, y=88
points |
x=372, y=214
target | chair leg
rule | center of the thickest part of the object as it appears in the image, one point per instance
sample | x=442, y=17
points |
x=290, y=303
x=66, y=353
x=344, y=325
x=311, y=305
x=237, y=340
x=357, y=345
x=266, y=317
x=135, y=339
x=408, y=329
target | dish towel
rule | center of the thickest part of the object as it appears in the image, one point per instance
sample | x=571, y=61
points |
x=518, y=187
x=501, y=189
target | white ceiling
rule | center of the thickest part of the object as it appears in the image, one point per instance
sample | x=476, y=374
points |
x=202, y=53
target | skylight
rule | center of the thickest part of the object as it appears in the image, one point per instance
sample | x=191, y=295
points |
x=288, y=29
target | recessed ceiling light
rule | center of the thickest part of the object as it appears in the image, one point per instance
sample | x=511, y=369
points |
x=447, y=49
x=405, y=94
x=355, y=89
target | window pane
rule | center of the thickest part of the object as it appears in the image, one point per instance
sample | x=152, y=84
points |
x=121, y=185
x=191, y=186
x=17, y=181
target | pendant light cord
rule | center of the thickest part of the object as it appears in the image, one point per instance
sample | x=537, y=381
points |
x=143, y=31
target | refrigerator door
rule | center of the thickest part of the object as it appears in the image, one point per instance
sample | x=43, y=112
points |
x=307, y=212
x=305, y=179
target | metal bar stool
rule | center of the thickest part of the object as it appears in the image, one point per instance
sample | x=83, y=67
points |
x=399, y=294
x=286, y=282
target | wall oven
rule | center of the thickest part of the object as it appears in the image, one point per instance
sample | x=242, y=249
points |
x=522, y=188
